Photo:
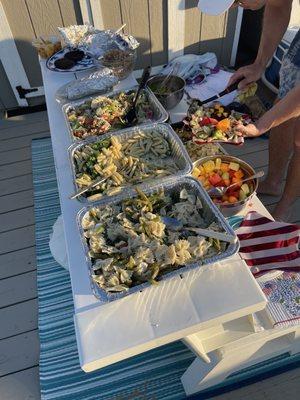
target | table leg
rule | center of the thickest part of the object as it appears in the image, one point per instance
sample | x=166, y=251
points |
x=226, y=361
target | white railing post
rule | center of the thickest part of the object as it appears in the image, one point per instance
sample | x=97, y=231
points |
x=86, y=12
x=11, y=59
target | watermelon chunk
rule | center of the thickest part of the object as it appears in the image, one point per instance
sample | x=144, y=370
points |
x=215, y=179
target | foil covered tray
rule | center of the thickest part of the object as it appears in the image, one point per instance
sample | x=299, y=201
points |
x=160, y=114
x=178, y=153
x=212, y=214
x=96, y=83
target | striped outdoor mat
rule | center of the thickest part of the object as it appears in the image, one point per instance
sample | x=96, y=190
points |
x=154, y=375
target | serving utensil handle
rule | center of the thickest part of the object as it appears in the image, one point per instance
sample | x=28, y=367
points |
x=259, y=174
x=144, y=79
x=87, y=188
x=215, y=235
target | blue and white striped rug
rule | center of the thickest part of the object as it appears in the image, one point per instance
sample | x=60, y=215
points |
x=154, y=375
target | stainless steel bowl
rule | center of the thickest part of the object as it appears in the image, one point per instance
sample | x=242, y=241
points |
x=175, y=86
x=233, y=208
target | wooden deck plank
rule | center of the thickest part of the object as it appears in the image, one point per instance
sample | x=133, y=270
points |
x=24, y=141
x=15, y=169
x=16, y=201
x=19, y=318
x=17, y=289
x=17, y=262
x=12, y=156
x=25, y=119
x=23, y=385
x=250, y=146
x=17, y=219
x=15, y=185
x=19, y=352
x=268, y=200
x=258, y=159
x=283, y=386
x=17, y=239
x=23, y=130
x=295, y=216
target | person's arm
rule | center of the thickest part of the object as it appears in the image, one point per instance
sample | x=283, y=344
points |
x=276, y=19
x=286, y=109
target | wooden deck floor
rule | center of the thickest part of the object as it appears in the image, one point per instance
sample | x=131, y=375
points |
x=19, y=342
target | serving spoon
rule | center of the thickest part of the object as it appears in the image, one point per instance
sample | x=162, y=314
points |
x=175, y=225
x=131, y=116
x=89, y=187
x=219, y=191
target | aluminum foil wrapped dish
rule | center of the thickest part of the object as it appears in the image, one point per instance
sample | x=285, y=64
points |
x=74, y=36
x=101, y=81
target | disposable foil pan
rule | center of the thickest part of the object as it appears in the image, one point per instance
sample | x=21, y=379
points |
x=211, y=214
x=160, y=114
x=178, y=153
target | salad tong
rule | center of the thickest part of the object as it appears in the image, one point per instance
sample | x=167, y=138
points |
x=130, y=117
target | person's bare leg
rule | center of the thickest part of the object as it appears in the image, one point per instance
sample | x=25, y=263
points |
x=291, y=191
x=280, y=149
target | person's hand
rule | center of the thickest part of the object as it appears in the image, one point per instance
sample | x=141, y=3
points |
x=248, y=74
x=249, y=130
x=250, y=4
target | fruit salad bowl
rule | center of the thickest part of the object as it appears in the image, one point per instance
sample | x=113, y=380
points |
x=224, y=170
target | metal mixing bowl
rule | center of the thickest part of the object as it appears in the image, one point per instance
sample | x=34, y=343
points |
x=175, y=87
x=233, y=208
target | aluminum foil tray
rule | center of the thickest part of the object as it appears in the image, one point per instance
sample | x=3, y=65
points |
x=211, y=214
x=178, y=153
x=160, y=114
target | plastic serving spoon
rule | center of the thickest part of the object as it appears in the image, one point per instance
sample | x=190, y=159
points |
x=175, y=225
x=130, y=116
x=219, y=191
x=87, y=188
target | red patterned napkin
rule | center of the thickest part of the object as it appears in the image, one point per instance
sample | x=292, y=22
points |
x=267, y=245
